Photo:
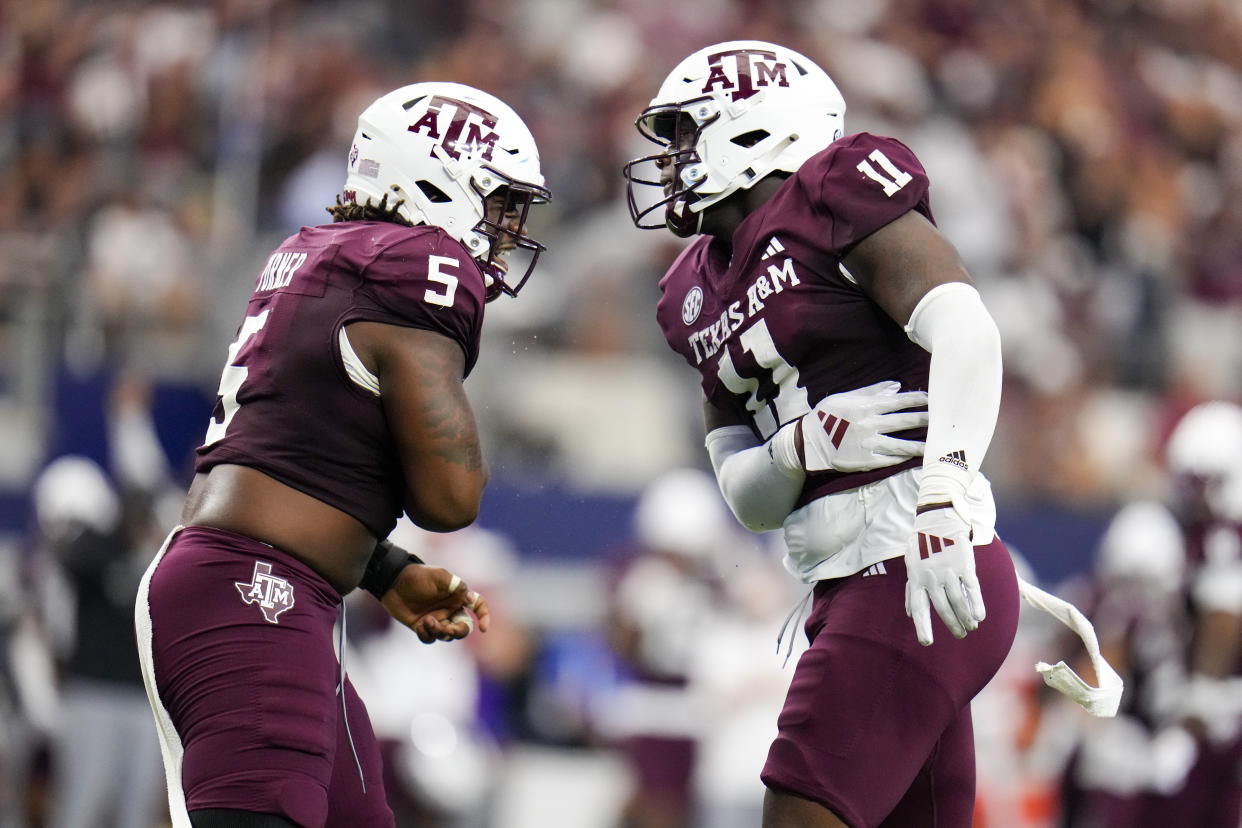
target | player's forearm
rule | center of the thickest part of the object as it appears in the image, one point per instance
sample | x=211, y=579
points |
x=444, y=495
x=964, y=386
x=759, y=492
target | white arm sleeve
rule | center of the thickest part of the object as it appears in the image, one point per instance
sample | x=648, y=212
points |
x=964, y=387
x=759, y=492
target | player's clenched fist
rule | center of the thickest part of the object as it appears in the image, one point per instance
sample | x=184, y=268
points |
x=435, y=604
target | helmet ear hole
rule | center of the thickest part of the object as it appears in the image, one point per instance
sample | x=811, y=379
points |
x=749, y=139
x=433, y=193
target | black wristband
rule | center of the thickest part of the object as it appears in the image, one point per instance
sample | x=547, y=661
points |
x=385, y=565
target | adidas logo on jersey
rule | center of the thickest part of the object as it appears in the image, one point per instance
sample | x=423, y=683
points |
x=956, y=458
x=774, y=247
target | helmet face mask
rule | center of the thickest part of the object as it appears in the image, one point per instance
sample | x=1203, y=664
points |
x=756, y=108
x=443, y=150
x=677, y=170
x=504, y=224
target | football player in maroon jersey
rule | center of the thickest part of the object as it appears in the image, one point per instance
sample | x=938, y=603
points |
x=340, y=407
x=1204, y=456
x=835, y=328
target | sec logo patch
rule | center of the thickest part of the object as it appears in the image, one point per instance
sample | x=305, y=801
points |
x=692, y=305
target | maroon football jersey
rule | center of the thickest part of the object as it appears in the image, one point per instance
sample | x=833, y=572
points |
x=779, y=326
x=286, y=405
x=1206, y=541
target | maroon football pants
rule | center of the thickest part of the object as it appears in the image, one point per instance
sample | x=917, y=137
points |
x=876, y=727
x=235, y=639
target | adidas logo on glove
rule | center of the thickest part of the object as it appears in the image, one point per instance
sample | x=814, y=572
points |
x=956, y=458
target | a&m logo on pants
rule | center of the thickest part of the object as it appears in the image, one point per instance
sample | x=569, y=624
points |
x=273, y=595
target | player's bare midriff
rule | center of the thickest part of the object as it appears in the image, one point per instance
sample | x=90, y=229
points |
x=246, y=501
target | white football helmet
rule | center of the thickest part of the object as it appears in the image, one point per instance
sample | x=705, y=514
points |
x=438, y=150
x=1204, y=454
x=1144, y=544
x=682, y=512
x=725, y=118
x=73, y=494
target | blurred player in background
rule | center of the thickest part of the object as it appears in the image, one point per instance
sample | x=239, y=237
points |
x=665, y=603
x=1204, y=456
x=1168, y=606
x=341, y=406
x=828, y=317
x=1136, y=598
x=95, y=531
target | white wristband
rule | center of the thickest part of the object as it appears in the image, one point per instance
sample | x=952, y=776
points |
x=783, y=449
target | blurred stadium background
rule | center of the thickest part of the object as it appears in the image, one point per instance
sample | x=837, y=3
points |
x=1085, y=157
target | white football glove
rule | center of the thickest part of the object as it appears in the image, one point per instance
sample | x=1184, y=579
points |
x=940, y=572
x=848, y=432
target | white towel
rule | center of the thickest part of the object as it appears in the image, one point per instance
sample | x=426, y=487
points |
x=1098, y=701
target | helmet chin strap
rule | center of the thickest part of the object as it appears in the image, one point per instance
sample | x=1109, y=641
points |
x=684, y=223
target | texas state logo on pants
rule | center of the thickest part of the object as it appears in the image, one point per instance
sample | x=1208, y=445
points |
x=273, y=595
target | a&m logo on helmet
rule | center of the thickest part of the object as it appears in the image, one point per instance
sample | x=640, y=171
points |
x=753, y=68
x=274, y=595
x=478, y=125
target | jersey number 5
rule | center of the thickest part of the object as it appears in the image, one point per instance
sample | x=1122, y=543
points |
x=233, y=377
x=448, y=280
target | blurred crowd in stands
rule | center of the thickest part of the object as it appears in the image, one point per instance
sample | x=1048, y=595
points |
x=1085, y=157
